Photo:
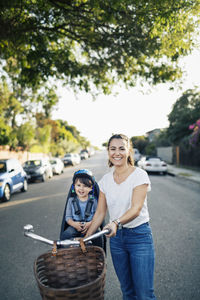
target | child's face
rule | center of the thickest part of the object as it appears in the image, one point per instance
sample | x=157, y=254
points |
x=82, y=190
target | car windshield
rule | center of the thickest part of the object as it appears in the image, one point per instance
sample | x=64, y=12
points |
x=68, y=155
x=154, y=159
x=32, y=163
x=53, y=162
x=2, y=167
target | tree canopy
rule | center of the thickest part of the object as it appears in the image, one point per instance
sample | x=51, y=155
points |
x=186, y=111
x=97, y=43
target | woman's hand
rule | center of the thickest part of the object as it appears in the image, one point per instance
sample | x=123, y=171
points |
x=113, y=229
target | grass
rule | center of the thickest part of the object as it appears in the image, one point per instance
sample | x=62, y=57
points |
x=185, y=174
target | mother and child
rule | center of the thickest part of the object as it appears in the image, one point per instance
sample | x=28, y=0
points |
x=123, y=193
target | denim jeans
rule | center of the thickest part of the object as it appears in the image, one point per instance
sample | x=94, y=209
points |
x=132, y=252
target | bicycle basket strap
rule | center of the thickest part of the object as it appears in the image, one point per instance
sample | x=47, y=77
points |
x=82, y=245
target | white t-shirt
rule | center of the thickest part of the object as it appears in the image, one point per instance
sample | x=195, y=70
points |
x=119, y=196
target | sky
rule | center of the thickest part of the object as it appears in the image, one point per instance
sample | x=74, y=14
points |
x=132, y=112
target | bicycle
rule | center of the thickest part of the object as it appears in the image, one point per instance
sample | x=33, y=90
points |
x=73, y=270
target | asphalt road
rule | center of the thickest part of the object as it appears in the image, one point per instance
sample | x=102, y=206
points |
x=174, y=208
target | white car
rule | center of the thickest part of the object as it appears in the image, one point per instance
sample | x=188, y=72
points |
x=84, y=155
x=153, y=164
x=71, y=159
x=57, y=165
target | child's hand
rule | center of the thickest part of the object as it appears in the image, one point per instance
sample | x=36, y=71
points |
x=86, y=227
x=78, y=226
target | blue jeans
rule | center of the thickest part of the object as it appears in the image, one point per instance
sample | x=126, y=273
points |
x=132, y=252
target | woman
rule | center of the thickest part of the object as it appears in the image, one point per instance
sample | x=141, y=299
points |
x=124, y=192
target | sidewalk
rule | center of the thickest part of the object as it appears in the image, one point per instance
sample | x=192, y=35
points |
x=184, y=173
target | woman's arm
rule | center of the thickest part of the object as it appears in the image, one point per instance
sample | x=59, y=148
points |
x=99, y=214
x=138, y=198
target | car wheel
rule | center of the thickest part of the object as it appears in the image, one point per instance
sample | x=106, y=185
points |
x=44, y=177
x=25, y=186
x=7, y=193
x=164, y=173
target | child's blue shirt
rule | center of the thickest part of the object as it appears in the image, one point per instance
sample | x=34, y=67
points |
x=70, y=211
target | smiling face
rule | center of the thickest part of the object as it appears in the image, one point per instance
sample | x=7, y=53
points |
x=118, y=152
x=82, y=190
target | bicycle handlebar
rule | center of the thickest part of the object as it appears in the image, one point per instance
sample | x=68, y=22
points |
x=28, y=231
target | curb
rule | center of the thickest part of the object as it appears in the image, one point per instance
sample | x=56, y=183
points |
x=183, y=177
x=171, y=174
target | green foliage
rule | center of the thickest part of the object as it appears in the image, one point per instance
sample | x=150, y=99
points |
x=10, y=106
x=48, y=99
x=5, y=131
x=97, y=43
x=162, y=140
x=150, y=149
x=140, y=142
x=184, y=113
x=26, y=135
x=36, y=131
x=44, y=137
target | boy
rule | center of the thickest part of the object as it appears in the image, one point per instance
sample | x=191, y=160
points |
x=81, y=206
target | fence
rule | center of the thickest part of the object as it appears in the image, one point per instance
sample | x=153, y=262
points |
x=22, y=156
x=186, y=156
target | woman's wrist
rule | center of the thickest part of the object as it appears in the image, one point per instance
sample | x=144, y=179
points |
x=117, y=223
x=114, y=221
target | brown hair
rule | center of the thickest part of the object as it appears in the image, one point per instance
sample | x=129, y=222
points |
x=85, y=181
x=130, y=159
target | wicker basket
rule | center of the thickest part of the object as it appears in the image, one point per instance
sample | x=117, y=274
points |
x=71, y=274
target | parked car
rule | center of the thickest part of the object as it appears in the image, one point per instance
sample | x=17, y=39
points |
x=153, y=164
x=57, y=165
x=12, y=178
x=71, y=159
x=84, y=154
x=38, y=169
x=136, y=155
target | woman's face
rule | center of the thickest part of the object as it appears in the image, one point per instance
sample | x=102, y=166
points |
x=118, y=152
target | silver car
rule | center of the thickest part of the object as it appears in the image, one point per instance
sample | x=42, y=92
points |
x=71, y=159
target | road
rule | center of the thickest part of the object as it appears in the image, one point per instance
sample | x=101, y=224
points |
x=174, y=208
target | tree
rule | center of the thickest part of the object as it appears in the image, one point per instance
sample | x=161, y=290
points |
x=5, y=131
x=184, y=113
x=162, y=140
x=44, y=138
x=91, y=43
x=10, y=106
x=26, y=135
x=48, y=100
x=140, y=142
